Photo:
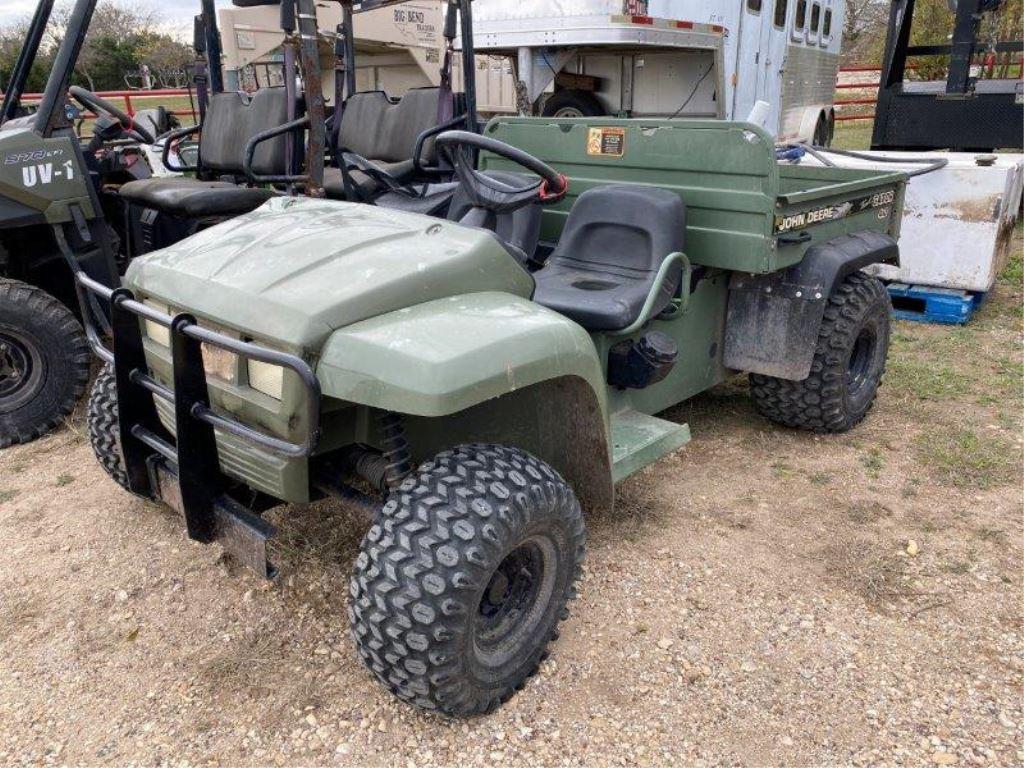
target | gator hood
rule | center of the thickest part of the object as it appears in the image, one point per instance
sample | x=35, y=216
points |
x=296, y=269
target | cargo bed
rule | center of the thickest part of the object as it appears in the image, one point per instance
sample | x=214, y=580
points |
x=745, y=211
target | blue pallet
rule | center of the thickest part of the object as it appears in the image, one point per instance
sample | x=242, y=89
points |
x=925, y=304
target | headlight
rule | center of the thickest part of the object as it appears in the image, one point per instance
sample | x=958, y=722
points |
x=220, y=363
x=266, y=378
x=158, y=333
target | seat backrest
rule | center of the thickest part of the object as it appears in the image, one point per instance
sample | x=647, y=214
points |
x=623, y=227
x=377, y=129
x=520, y=229
x=232, y=119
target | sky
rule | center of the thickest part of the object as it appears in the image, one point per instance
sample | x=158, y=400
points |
x=175, y=14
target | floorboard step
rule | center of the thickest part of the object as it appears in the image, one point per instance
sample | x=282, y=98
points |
x=639, y=440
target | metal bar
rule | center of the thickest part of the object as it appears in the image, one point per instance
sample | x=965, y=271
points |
x=468, y=64
x=199, y=476
x=214, y=53
x=350, y=50
x=51, y=113
x=151, y=385
x=965, y=28
x=26, y=58
x=316, y=135
x=134, y=407
x=159, y=445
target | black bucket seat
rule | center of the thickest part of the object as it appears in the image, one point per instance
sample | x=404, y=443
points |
x=232, y=119
x=612, y=246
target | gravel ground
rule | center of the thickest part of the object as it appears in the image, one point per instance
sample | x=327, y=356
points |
x=762, y=597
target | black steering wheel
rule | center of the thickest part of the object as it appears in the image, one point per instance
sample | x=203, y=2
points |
x=94, y=103
x=485, y=193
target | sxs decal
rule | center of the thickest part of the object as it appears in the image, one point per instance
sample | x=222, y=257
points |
x=15, y=158
x=45, y=173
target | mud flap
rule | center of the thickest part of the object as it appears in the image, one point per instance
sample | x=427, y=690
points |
x=773, y=320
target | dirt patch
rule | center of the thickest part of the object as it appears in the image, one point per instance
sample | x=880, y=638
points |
x=762, y=597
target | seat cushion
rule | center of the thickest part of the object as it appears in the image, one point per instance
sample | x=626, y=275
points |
x=375, y=127
x=232, y=119
x=334, y=183
x=599, y=300
x=194, y=199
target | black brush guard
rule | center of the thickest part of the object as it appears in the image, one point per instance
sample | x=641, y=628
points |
x=184, y=470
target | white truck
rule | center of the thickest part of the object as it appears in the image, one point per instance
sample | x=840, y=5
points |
x=676, y=58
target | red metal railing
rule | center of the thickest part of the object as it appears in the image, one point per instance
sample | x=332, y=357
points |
x=131, y=97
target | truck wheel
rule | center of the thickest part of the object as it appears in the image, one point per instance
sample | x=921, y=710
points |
x=821, y=136
x=460, y=585
x=848, y=364
x=103, y=429
x=44, y=362
x=572, y=103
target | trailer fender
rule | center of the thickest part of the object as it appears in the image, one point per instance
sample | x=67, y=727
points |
x=809, y=122
x=772, y=320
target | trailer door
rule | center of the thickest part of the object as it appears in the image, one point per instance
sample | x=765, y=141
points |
x=753, y=56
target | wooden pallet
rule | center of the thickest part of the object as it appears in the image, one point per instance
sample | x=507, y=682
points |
x=925, y=304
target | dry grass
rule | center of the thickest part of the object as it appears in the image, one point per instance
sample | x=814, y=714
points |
x=869, y=569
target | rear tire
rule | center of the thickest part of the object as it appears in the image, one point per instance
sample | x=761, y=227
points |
x=104, y=432
x=461, y=583
x=572, y=103
x=849, y=362
x=44, y=362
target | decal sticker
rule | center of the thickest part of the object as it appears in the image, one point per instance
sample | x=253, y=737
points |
x=27, y=157
x=44, y=173
x=606, y=142
x=879, y=200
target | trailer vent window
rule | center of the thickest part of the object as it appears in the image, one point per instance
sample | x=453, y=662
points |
x=754, y=6
x=815, y=18
x=780, y=13
x=826, y=30
x=801, y=15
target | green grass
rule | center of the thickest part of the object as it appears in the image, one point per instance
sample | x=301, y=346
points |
x=924, y=380
x=959, y=457
x=64, y=479
x=855, y=134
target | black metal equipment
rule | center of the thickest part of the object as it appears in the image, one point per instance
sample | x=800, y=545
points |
x=26, y=57
x=962, y=113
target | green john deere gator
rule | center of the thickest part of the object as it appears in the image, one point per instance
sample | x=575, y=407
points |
x=481, y=380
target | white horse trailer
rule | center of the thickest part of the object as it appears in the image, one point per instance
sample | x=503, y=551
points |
x=676, y=58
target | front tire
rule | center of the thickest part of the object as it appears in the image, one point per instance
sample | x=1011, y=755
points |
x=44, y=362
x=849, y=362
x=103, y=427
x=460, y=585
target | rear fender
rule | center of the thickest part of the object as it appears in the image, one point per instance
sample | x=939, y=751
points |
x=773, y=320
